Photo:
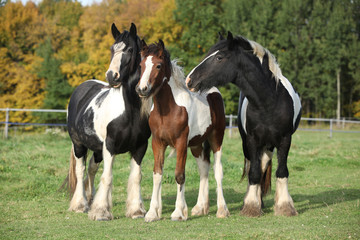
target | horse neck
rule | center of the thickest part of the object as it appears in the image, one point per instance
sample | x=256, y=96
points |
x=257, y=85
x=129, y=91
x=164, y=99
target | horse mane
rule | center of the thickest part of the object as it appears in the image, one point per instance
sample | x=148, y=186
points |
x=259, y=51
x=177, y=74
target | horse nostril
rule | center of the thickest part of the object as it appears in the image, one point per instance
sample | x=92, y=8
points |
x=116, y=75
x=188, y=81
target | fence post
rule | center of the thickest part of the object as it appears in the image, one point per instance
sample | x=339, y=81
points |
x=331, y=127
x=230, y=125
x=6, y=123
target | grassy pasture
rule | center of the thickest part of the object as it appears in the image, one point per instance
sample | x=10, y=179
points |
x=324, y=183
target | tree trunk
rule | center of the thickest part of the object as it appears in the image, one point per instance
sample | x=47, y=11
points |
x=338, y=109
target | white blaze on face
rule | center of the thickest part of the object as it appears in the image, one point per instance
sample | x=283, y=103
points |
x=146, y=75
x=188, y=76
x=116, y=60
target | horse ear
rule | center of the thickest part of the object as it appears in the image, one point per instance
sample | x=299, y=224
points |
x=143, y=45
x=162, y=44
x=230, y=36
x=230, y=40
x=133, y=31
x=221, y=37
x=115, y=32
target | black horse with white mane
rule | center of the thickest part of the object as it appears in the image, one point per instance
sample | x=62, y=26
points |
x=269, y=113
x=107, y=119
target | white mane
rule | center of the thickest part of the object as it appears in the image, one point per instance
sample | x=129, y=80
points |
x=177, y=74
x=260, y=52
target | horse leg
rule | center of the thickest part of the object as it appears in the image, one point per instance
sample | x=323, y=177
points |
x=181, y=210
x=89, y=181
x=284, y=204
x=222, y=211
x=134, y=204
x=101, y=206
x=266, y=166
x=78, y=202
x=155, y=210
x=252, y=200
x=203, y=162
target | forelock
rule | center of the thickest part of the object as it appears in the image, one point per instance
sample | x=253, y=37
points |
x=156, y=50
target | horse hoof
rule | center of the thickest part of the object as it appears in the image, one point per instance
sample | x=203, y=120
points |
x=222, y=212
x=251, y=210
x=286, y=209
x=178, y=219
x=151, y=216
x=100, y=215
x=80, y=208
x=178, y=215
x=140, y=213
x=199, y=211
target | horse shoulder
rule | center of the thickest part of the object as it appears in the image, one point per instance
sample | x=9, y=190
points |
x=106, y=106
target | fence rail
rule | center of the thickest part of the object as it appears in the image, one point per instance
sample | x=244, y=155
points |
x=232, y=122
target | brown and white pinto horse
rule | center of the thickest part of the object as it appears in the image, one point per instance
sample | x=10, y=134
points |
x=181, y=119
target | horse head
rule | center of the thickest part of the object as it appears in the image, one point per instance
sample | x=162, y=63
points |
x=125, y=57
x=217, y=68
x=155, y=68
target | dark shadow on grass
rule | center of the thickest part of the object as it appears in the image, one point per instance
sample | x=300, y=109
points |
x=324, y=199
x=234, y=201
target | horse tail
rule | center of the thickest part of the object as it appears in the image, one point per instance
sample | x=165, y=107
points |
x=70, y=181
x=266, y=180
x=246, y=169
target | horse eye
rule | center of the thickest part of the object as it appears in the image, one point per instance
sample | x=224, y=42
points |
x=158, y=66
x=219, y=58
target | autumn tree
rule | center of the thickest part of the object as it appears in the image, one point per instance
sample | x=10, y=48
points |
x=21, y=29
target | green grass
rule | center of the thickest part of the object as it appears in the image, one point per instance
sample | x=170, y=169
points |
x=324, y=183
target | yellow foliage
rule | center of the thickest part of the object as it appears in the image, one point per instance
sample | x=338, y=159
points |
x=19, y=88
x=161, y=24
x=77, y=74
x=356, y=109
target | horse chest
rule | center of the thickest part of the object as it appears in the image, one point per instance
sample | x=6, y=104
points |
x=168, y=123
x=104, y=110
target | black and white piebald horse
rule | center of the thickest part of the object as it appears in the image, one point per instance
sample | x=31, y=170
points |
x=269, y=113
x=108, y=119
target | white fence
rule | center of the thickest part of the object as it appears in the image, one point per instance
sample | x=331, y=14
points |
x=7, y=117
x=334, y=125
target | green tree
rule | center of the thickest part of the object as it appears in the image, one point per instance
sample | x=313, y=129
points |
x=57, y=89
x=200, y=21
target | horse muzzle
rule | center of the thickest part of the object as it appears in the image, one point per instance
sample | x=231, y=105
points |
x=189, y=84
x=144, y=91
x=113, y=78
